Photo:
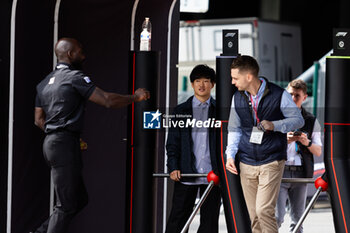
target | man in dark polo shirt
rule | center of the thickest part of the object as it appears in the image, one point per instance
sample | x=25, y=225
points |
x=59, y=111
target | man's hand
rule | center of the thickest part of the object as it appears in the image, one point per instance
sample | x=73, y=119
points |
x=175, y=175
x=291, y=138
x=141, y=94
x=303, y=139
x=230, y=165
x=268, y=125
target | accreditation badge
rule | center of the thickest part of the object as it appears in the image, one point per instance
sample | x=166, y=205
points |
x=257, y=136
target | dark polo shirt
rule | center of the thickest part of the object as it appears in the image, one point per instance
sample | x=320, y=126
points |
x=62, y=95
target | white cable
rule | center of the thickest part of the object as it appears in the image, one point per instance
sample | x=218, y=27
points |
x=132, y=33
x=54, y=63
x=55, y=30
x=11, y=102
x=167, y=105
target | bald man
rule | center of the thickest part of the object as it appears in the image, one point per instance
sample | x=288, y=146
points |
x=59, y=111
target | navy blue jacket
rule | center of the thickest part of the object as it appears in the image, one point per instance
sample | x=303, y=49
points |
x=274, y=144
x=179, y=144
x=308, y=157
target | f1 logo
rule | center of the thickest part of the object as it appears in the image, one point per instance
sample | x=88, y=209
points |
x=230, y=34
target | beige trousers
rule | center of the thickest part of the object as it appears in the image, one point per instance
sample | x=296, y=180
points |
x=261, y=186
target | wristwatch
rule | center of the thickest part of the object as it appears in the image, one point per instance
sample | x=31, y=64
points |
x=310, y=143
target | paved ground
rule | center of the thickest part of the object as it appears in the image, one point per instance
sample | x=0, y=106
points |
x=319, y=220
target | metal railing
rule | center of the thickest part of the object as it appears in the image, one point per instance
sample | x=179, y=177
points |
x=321, y=183
x=198, y=206
x=211, y=185
x=194, y=175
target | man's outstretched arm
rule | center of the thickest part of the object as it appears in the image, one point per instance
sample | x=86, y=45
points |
x=114, y=100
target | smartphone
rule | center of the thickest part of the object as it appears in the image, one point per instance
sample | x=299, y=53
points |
x=297, y=133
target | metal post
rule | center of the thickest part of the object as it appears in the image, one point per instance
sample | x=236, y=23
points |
x=298, y=180
x=284, y=180
x=315, y=86
x=307, y=210
x=166, y=175
x=200, y=203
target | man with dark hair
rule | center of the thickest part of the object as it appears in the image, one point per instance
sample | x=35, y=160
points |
x=261, y=115
x=59, y=111
x=302, y=145
x=192, y=150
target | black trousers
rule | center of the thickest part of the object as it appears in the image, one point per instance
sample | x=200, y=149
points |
x=184, y=198
x=63, y=155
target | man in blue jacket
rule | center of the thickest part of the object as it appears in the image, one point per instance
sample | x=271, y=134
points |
x=261, y=115
x=192, y=150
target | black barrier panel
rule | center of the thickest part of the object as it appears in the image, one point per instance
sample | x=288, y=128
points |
x=33, y=61
x=142, y=144
x=236, y=213
x=103, y=27
x=159, y=19
x=337, y=146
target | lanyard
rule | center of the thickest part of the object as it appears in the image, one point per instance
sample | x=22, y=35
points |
x=255, y=107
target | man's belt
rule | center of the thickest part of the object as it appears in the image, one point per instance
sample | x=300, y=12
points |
x=293, y=168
